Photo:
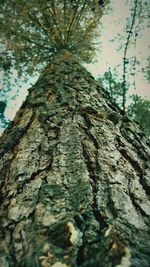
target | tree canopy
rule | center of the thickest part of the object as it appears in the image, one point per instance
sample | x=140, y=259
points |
x=32, y=31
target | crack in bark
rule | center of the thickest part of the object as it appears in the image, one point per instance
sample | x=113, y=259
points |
x=79, y=220
x=145, y=186
x=94, y=178
x=87, y=130
x=93, y=169
x=33, y=176
x=80, y=256
x=132, y=161
x=136, y=205
x=110, y=204
x=14, y=135
x=136, y=143
x=122, y=149
x=9, y=144
x=134, y=164
x=11, y=256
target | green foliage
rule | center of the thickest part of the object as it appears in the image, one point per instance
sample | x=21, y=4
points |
x=2, y=107
x=32, y=31
x=10, y=78
x=5, y=73
x=139, y=109
x=113, y=86
x=148, y=69
x=3, y=121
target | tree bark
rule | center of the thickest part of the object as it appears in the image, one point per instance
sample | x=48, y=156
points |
x=74, y=177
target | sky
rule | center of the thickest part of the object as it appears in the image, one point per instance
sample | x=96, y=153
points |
x=108, y=56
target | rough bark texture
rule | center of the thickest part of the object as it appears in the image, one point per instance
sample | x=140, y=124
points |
x=74, y=177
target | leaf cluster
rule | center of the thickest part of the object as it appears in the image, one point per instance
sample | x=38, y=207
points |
x=32, y=31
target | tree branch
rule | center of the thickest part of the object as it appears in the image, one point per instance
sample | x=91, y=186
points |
x=34, y=18
x=29, y=40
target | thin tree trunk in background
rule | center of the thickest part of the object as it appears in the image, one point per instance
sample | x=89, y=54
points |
x=74, y=177
x=125, y=59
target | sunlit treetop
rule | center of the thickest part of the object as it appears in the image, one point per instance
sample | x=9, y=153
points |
x=33, y=31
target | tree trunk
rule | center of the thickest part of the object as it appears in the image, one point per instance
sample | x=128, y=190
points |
x=74, y=177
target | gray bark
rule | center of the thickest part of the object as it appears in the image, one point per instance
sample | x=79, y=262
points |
x=74, y=177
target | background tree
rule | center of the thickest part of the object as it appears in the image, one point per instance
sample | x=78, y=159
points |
x=127, y=42
x=125, y=59
x=139, y=109
x=127, y=91
x=5, y=74
x=148, y=69
x=111, y=83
